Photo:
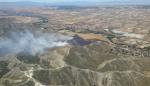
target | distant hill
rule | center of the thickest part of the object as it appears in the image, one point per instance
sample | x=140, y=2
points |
x=22, y=4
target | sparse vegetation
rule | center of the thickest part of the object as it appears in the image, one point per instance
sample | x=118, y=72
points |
x=109, y=46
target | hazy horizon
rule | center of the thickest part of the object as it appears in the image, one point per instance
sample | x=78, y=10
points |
x=54, y=1
x=85, y=2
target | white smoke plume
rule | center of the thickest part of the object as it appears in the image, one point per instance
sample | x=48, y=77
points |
x=31, y=43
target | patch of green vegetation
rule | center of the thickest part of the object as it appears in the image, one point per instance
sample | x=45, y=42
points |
x=3, y=68
x=27, y=58
x=29, y=83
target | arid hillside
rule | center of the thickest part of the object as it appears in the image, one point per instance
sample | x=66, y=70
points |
x=75, y=46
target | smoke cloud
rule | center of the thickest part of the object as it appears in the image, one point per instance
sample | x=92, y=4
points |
x=31, y=43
